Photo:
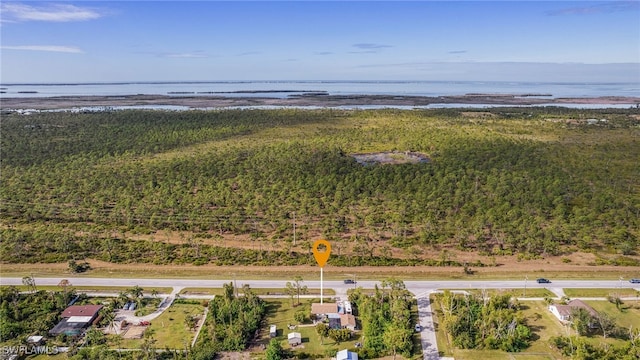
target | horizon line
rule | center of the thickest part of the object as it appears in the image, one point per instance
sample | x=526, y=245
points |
x=133, y=82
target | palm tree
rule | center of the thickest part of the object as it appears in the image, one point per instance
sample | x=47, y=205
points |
x=136, y=292
x=30, y=283
x=109, y=317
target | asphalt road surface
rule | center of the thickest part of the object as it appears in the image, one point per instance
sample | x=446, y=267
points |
x=415, y=287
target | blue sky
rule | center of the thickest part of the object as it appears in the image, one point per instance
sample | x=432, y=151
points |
x=89, y=41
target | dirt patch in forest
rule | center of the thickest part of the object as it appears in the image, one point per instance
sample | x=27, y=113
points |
x=233, y=355
x=390, y=157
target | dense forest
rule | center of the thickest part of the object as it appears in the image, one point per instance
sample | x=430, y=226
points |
x=525, y=181
x=475, y=322
x=25, y=314
x=387, y=325
x=234, y=320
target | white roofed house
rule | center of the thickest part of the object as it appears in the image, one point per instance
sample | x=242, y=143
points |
x=563, y=312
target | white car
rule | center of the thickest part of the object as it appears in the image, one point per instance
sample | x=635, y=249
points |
x=418, y=328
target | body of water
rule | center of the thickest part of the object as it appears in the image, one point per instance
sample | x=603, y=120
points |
x=282, y=89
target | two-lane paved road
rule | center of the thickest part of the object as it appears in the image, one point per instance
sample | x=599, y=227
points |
x=415, y=287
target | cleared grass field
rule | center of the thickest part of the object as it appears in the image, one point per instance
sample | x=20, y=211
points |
x=620, y=292
x=257, y=291
x=524, y=293
x=202, y=291
x=628, y=315
x=170, y=329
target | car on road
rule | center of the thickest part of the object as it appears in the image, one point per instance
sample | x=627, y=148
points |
x=543, y=281
x=634, y=281
x=349, y=281
x=418, y=328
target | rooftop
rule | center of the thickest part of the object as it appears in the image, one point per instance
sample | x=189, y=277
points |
x=329, y=308
x=347, y=319
x=565, y=310
x=81, y=310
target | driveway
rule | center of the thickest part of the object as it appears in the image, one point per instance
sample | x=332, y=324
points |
x=428, y=332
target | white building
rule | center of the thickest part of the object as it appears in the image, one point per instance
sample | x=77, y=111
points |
x=346, y=355
x=294, y=338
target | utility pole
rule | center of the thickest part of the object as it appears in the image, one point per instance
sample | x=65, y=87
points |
x=294, y=228
x=235, y=286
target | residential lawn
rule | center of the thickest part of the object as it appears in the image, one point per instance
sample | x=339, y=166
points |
x=257, y=291
x=620, y=292
x=369, y=292
x=532, y=357
x=170, y=329
x=628, y=315
x=202, y=291
x=520, y=293
x=280, y=312
x=267, y=291
x=543, y=325
x=148, y=306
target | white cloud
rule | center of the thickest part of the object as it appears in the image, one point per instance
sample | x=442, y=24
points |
x=186, y=55
x=49, y=48
x=54, y=13
x=371, y=46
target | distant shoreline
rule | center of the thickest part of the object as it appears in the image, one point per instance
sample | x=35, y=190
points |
x=304, y=100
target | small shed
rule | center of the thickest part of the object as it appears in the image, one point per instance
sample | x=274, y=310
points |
x=294, y=338
x=346, y=355
x=273, y=331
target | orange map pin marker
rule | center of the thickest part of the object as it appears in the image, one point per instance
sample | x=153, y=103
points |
x=321, y=257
